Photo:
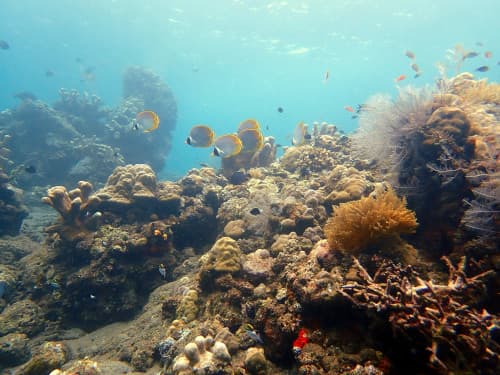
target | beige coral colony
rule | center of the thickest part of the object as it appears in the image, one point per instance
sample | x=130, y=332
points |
x=371, y=253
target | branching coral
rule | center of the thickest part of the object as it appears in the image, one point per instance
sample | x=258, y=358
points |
x=437, y=316
x=357, y=225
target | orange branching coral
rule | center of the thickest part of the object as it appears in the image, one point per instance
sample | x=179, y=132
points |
x=359, y=224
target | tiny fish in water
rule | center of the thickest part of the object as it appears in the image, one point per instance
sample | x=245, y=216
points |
x=200, y=136
x=415, y=67
x=49, y=73
x=4, y=44
x=488, y=54
x=399, y=78
x=348, y=108
x=204, y=165
x=280, y=109
x=162, y=270
x=30, y=169
x=149, y=120
x=469, y=55
x=410, y=54
x=327, y=75
x=255, y=211
x=483, y=68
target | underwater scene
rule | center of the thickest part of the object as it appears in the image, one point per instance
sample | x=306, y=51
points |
x=249, y=187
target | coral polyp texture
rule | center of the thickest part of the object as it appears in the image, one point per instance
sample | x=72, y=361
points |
x=357, y=225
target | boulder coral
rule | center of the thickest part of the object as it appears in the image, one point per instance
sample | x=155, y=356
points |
x=223, y=258
x=357, y=225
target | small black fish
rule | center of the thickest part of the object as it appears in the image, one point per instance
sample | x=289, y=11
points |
x=30, y=169
x=307, y=136
x=255, y=211
x=483, y=68
x=280, y=109
x=4, y=44
x=267, y=127
x=354, y=117
x=204, y=165
x=49, y=73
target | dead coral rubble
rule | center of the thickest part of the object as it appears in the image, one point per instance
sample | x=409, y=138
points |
x=455, y=333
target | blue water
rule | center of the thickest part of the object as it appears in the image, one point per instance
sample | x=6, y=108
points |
x=229, y=60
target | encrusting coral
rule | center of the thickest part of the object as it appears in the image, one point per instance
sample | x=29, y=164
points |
x=357, y=225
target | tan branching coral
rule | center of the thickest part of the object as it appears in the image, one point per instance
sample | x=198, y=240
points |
x=359, y=224
x=70, y=205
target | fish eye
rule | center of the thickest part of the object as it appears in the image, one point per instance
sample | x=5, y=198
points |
x=216, y=152
x=188, y=140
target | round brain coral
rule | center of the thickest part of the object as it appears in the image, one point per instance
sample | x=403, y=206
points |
x=357, y=225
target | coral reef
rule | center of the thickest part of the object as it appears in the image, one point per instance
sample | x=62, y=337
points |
x=221, y=273
x=78, y=138
x=357, y=225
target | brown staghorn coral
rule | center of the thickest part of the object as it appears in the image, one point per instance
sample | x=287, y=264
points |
x=359, y=224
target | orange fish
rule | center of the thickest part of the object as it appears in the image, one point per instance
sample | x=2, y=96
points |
x=348, y=108
x=488, y=54
x=399, y=78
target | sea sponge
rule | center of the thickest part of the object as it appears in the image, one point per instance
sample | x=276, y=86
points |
x=357, y=225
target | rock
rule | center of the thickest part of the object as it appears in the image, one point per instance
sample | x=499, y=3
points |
x=22, y=317
x=258, y=265
x=51, y=356
x=255, y=361
x=14, y=349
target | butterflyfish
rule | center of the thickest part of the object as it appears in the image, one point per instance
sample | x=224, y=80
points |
x=299, y=134
x=227, y=145
x=248, y=124
x=148, y=120
x=252, y=140
x=200, y=136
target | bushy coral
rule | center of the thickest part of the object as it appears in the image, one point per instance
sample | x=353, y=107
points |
x=357, y=225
